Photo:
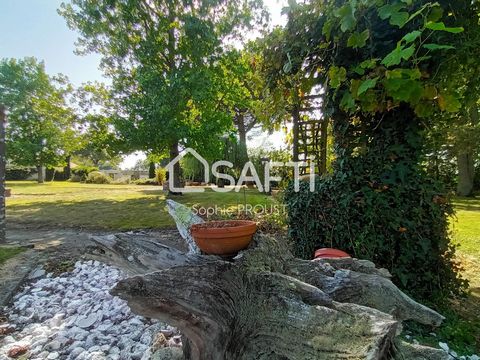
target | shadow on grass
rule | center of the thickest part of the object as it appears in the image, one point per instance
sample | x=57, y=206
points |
x=96, y=214
x=124, y=214
x=467, y=203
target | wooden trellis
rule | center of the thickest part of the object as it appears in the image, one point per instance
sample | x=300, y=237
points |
x=312, y=140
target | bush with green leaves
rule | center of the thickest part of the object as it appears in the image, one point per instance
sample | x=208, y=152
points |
x=97, y=177
x=18, y=172
x=121, y=181
x=81, y=172
x=146, y=181
x=160, y=175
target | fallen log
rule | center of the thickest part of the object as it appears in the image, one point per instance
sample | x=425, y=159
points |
x=267, y=304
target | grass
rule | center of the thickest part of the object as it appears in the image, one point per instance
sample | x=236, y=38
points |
x=9, y=252
x=466, y=234
x=124, y=207
x=461, y=329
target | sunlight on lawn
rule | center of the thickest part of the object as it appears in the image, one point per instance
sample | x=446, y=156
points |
x=109, y=206
x=466, y=233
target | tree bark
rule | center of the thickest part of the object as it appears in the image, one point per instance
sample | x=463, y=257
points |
x=466, y=155
x=151, y=170
x=40, y=178
x=242, y=136
x=67, y=170
x=466, y=173
x=176, y=167
x=3, y=161
x=266, y=304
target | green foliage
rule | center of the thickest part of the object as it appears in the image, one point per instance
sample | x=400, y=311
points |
x=99, y=143
x=163, y=61
x=18, y=172
x=382, y=90
x=40, y=124
x=9, y=252
x=346, y=216
x=83, y=171
x=146, y=181
x=122, y=181
x=160, y=175
x=97, y=177
x=458, y=331
x=192, y=169
x=379, y=204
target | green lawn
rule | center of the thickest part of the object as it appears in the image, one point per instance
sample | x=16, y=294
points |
x=466, y=233
x=110, y=206
x=9, y=252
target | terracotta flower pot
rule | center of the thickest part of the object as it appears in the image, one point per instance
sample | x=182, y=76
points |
x=330, y=253
x=223, y=237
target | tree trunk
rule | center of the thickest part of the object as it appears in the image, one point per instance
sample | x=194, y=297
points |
x=40, y=178
x=151, y=170
x=3, y=161
x=266, y=304
x=242, y=135
x=67, y=170
x=176, y=168
x=466, y=173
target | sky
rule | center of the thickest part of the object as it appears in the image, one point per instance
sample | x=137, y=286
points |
x=34, y=28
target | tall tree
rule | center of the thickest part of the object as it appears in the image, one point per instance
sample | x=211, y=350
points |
x=242, y=93
x=40, y=131
x=99, y=141
x=163, y=59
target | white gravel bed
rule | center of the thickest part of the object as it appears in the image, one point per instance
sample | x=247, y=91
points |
x=73, y=316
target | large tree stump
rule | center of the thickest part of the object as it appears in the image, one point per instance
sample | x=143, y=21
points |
x=266, y=304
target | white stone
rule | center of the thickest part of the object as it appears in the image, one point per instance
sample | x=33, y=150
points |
x=444, y=346
x=62, y=317
x=86, y=321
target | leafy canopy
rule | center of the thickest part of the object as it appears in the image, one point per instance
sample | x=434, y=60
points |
x=40, y=127
x=163, y=59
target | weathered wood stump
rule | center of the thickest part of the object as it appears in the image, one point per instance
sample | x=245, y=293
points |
x=266, y=304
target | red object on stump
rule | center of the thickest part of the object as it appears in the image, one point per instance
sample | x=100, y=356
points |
x=330, y=253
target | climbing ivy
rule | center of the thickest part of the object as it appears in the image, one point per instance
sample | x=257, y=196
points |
x=381, y=64
x=378, y=78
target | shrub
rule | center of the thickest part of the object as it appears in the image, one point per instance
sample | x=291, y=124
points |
x=379, y=223
x=83, y=171
x=160, y=175
x=18, y=172
x=76, y=178
x=146, y=181
x=121, y=181
x=97, y=177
